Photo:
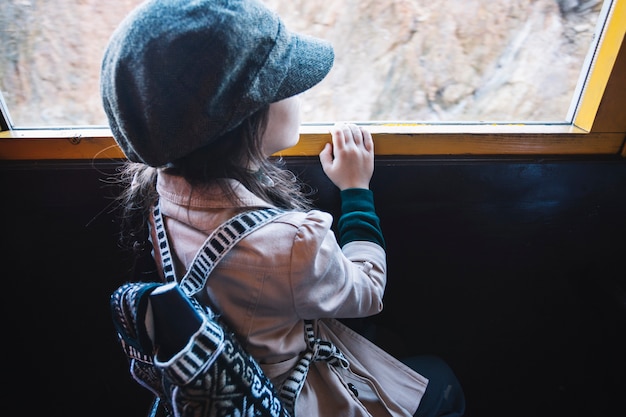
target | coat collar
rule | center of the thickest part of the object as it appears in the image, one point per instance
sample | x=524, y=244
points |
x=178, y=191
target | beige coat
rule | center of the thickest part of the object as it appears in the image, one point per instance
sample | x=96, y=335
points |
x=287, y=271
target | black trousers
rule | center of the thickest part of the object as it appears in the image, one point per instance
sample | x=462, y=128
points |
x=444, y=395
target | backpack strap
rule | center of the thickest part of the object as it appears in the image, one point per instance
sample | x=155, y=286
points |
x=318, y=350
x=214, y=248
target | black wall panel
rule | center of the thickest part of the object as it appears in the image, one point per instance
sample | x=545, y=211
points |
x=511, y=270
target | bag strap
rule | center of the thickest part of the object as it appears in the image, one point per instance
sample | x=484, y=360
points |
x=214, y=248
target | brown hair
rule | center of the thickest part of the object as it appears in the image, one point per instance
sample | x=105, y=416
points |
x=227, y=158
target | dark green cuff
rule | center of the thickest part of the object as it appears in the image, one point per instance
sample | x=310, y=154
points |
x=358, y=221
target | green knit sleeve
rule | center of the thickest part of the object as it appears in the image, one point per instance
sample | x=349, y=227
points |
x=359, y=221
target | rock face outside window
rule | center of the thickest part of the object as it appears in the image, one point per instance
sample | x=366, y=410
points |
x=396, y=60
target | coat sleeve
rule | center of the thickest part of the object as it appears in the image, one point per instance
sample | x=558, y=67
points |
x=330, y=281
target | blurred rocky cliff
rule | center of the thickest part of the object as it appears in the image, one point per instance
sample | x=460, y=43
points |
x=397, y=60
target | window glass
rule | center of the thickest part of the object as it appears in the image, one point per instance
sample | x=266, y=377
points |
x=50, y=53
x=396, y=60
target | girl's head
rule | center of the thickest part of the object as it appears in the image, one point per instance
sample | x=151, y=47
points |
x=206, y=89
x=180, y=77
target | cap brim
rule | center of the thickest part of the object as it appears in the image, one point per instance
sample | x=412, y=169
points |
x=311, y=60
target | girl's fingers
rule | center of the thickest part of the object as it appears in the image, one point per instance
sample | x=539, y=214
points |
x=338, y=135
x=349, y=161
x=356, y=133
x=368, y=142
x=347, y=134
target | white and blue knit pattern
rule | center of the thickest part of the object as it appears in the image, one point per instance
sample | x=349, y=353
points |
x=201, y=352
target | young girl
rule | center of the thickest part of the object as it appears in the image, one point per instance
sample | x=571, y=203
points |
x=199, y=96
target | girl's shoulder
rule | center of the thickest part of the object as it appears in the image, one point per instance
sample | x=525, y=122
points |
x=300, y=219
x=297, y=231
x=307, y=227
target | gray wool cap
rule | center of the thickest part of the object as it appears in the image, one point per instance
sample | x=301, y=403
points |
x=178, y=74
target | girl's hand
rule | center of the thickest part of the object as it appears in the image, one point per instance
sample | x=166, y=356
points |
x=349, y=160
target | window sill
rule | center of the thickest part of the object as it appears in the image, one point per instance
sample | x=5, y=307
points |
x=390, y=139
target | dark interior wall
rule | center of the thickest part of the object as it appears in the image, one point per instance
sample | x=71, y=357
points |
x=511, y=270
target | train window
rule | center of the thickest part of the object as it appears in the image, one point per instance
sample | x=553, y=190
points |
x=447, y=67
x=448, y=60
